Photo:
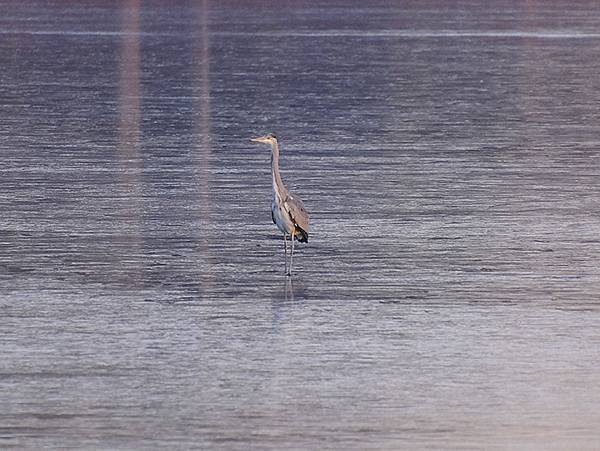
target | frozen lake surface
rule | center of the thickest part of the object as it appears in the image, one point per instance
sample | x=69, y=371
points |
x=448, y=296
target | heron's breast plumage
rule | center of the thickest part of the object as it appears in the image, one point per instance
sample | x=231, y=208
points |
x=281, y=218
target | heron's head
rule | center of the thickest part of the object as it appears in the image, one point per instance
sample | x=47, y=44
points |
x=267, y=139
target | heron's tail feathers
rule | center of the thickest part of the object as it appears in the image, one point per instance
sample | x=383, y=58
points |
x=301, y=235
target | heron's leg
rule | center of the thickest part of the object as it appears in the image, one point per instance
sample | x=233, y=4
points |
x=291, y=255
x=285, y=250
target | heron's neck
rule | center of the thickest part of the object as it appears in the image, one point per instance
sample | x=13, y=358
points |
x=277, y=183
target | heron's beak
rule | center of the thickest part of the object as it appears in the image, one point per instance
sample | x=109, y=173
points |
x=260, y=139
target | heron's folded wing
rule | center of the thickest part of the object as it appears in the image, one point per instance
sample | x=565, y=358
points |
x=295, y=208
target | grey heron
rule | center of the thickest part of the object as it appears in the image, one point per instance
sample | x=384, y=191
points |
x=287, y=209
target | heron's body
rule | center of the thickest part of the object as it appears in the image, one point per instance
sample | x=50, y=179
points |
x=287, y=210
x=282, y=214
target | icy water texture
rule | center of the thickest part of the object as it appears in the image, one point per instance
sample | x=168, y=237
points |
x=449, y=155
